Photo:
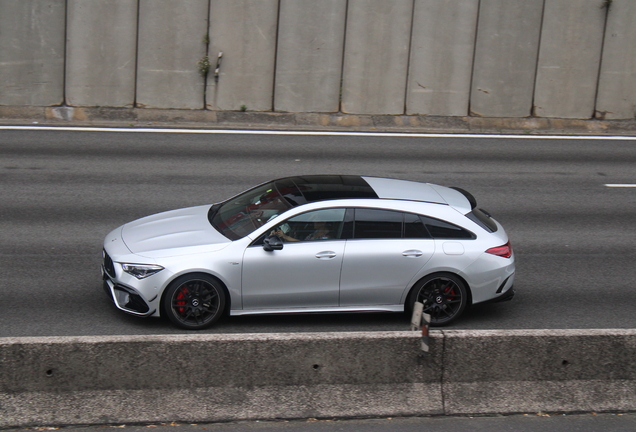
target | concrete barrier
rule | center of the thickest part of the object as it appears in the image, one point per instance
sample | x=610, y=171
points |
x=198, y=378
x=539, y=371
x=32, y=52
x=101, y=53
x=571, y=45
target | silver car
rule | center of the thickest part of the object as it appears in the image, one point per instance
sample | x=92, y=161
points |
x=320, y=243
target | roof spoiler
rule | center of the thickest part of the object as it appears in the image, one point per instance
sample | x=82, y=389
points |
x=471, y=199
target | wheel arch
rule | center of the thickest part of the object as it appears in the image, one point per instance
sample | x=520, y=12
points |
x=228, y=297
x=407, y=300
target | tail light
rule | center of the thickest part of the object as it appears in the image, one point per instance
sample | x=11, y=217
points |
x=504, y=251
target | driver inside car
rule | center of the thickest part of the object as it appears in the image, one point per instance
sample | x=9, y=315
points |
x=321, y=232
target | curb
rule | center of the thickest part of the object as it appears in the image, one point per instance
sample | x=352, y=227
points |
x=169, y=118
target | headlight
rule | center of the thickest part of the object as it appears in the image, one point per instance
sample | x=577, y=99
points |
x=141, y=271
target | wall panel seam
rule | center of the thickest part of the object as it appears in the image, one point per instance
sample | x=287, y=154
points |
x=408, y=61
x=472, y=71
x=536, y=65
x=134, y=102
x=607, y=7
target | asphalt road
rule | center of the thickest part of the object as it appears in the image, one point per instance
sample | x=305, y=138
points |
x=62, y=192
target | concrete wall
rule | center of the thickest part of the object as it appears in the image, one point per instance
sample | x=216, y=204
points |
x=571, y=44
x=172, y=40
x=208, y=377
x=101, y=54
x=32, y=52
x=616, y=87
x=248, y=44
x=482, y=58
x=441, y=65
x=309, y=60
x=376, y=56
x=505, y=58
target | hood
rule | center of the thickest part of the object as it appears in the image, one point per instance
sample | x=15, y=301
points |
x=176, y=229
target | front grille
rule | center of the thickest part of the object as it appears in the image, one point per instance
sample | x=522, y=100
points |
x=109, y=267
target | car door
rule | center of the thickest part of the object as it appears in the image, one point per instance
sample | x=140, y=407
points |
x=305, y=273
x=387, y=249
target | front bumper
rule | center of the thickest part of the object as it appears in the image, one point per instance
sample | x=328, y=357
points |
x=125, y=298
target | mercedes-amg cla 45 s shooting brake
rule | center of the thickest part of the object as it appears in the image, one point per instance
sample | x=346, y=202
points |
x=316, y=243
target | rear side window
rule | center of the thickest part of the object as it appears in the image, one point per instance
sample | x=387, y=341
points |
x=364, y=223
x=374, y=223
x=414, y=227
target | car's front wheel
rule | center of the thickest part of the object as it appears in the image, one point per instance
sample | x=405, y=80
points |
x=194, y=301
x=443, y=295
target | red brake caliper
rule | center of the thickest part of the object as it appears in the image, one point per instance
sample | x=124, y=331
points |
x=449, y=291
x=182, y=293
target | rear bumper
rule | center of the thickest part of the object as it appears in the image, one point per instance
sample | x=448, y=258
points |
x=506, y=296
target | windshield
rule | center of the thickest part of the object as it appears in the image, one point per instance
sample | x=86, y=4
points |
x=246, y=212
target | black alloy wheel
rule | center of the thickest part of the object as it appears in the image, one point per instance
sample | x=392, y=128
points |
x=444, y=297
x=194, y=301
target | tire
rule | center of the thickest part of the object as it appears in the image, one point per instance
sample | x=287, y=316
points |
x=444, y=296
x=194, y=301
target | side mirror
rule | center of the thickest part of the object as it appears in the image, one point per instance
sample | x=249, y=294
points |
x=272, y=243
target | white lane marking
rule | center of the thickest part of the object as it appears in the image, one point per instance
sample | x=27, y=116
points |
x=318, y=133
x=621, y=185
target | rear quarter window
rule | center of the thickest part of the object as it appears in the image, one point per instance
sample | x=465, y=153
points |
x=483, y=220
x=440, y=229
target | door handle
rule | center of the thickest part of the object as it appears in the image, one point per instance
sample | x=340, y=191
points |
x=413, y=253
x=326, y=255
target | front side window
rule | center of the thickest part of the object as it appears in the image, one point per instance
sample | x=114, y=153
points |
x=317, y=225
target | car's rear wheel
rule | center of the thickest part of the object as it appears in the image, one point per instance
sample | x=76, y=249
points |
x=194, y=301
x=443, y=295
